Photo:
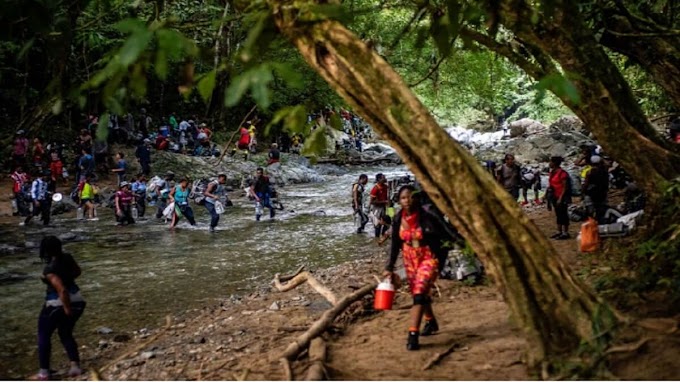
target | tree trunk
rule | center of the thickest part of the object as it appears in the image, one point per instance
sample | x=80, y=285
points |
x=607, y=105
x=554, y=309
x=659, y=56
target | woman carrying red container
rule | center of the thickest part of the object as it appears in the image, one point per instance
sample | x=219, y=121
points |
x=419, y=234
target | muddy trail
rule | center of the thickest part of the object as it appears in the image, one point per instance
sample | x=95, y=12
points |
x=241, y=338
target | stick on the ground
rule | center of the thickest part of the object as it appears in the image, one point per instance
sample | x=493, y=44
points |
x=309, y=279
x=438, y=357
x=288, y=277
x=168, y=323
x=324, y=322
x=317, y=355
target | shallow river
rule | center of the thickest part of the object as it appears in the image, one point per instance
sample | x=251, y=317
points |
x=134, y=276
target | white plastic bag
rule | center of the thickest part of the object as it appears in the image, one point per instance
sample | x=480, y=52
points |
x=167, y=212
x=219, y=207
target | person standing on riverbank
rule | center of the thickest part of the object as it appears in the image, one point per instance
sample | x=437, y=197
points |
x=261, y=191
x=180, y=196
x=143, y=154
x=379, y=202
x=358, y=190
x=214, y=193
x=508, y=176
x=560, y=196
x=19, y=178
x=417, y=235
x=62, y=308
x=20, y=149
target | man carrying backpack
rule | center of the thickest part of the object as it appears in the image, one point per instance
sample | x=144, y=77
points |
x=213, y=194
x=559, y=190
x=261, y=191
x=358, y=190
x=595, y=187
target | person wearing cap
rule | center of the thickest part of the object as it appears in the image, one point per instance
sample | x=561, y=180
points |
x=214, y=193
x=162, y=192
x=180, y=196
x=123, y=201
x=595, y=188
x=139, y=191
x=274, y=154
x=41, y=199
x=20, y=149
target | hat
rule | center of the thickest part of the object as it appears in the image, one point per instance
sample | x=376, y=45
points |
x=203, y=125
x=595, y=159
x=147, y=140
x=169, y=173
x=123, y=184
x=20, y=132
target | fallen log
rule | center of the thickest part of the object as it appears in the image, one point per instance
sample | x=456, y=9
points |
x=309, y=279
x=322, y=324
x=285, y=278
x=317, y=356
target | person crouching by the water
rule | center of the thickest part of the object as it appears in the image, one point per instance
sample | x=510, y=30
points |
x=386, y=223
x=274, y=155
x=62, y=308
x=261, y=191
x=415, y=232
x=180, y=196
x=124, y=200
x=560, y=197
x=214, y=193
x=358, y=190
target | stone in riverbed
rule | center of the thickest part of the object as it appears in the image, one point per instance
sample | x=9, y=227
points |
x=274, y=306
x=104, y=330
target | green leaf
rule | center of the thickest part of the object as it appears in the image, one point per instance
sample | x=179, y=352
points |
x=257, y=79
x=336, y=122
x=292, y=77
x=237, y=88
x=561, y=86
x=293, y=118
x=161, y=64
x=315, y=144
x=261, y=19
x=103, y=127
x=131, y=25
x=206, y=85
x=133, y=47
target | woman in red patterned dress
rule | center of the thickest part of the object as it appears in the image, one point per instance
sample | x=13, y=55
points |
x=418, y=234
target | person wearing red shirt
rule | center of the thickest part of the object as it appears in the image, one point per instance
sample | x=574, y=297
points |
x=379, y=202
x=243, y=142
x=56, y=167
x=560, y=196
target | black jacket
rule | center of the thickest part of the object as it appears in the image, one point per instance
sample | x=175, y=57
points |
x=436, y=231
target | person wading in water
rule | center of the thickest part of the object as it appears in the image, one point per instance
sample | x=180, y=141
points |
x=180, y=196
x=62, y=308
x=213, y=193
x=358, y=190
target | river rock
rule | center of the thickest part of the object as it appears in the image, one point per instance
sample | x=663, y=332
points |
x=274, y=306
x=104, y=330
x=10, y=277
x=6, y=249
x=68, y=236
x=525, y=126
x=567, y=123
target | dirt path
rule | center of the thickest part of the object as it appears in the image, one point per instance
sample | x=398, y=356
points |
x=241, y=337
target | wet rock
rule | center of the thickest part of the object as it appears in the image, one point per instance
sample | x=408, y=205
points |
x=31, y=244
x=103, y=344
x=104, y=330
x=274, y=306
x=6, y=249
x=148, y=355
x=68, y=236
x=11, y=277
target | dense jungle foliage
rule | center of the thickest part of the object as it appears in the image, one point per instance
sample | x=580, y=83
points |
x=64, y=59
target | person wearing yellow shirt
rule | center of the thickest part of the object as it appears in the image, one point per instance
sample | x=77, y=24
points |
x=86, y=194
x=253, y=140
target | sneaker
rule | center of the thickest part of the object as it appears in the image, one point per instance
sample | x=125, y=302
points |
x=523, y=204
x=555, y=236
x=360, y=230
x=412, y=343
x=74, y=371
x=212, y=229
x=564, y=236
x=430, y=327
x=538, y=202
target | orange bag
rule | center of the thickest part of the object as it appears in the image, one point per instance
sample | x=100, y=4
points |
x=590, y=236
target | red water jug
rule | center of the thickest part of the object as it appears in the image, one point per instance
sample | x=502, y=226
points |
x=384, y=296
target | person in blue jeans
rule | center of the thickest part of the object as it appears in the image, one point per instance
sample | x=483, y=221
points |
x=180, y=196
x=261, y=191
x=62, y=308
x=214, y=193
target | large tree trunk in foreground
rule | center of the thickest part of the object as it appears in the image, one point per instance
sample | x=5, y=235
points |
x=554, y=309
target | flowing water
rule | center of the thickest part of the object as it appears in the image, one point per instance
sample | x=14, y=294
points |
x=133, y=276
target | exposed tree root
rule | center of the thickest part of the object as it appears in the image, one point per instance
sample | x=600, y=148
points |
x=439, y=356
x=317, y=355
x=287, y=370
x=307, y=277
